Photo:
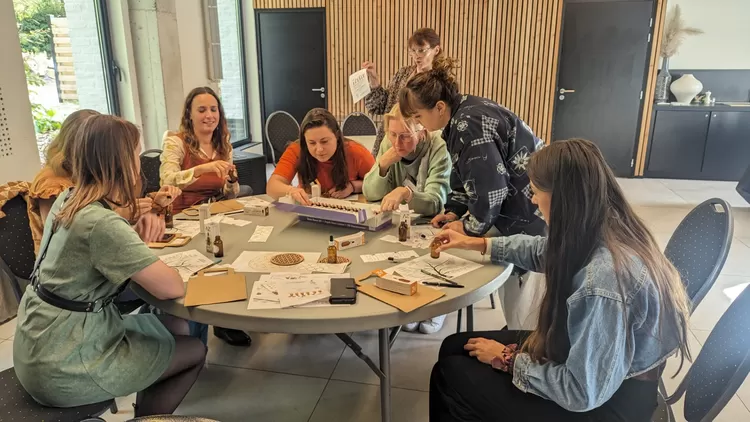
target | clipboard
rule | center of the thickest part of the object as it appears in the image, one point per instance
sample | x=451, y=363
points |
x=424, y=295
x=177, y=242
x=207, y=290
x=219, y=207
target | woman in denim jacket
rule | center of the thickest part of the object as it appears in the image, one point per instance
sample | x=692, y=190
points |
x=614, y=309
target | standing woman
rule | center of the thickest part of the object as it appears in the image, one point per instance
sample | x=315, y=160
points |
x=424, y=47
x=198, y=160
x=198, y=157
x=490, y=149
x=321, y=155
x=68, y=353
x=614, y=310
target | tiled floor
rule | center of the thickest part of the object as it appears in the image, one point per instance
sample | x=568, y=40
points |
x=314, y=378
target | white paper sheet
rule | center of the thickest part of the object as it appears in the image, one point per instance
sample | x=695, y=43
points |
x=401, y=255
x=421, y=237
x=265, y=291
x=185, y=228
x=447, y=265
x=261, y=234
x=251, y=200
x=359, y=85
x=225, y=219
x=187, y=262
x=260, y=262
x=329, y=268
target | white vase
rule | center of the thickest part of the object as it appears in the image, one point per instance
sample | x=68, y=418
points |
x=686, y=88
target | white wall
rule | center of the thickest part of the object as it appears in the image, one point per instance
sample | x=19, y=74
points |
x=192, y=36
x=19, y=157
x=726, y=42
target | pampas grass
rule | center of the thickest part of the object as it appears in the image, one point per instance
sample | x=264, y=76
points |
x=675, y=32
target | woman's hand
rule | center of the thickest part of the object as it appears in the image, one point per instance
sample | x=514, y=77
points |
x=372, y=74
x=388, y=159
x=484, y=350
x=457, y=226
x=220, y=168
x=341, y=194
x=453, y=240
x=441, y=219
x=143, y=207
x=391, y=201
x=167, y=195
x=299, y=195
x=150, y=227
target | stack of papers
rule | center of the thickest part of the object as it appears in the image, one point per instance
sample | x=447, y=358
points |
x=186, y=263
x=251, y=200
x=421, y=237
x=384, y=256
x=286, y=290
x=423, y=268
x=261, y=234
x=185, y=227
x=228, y=220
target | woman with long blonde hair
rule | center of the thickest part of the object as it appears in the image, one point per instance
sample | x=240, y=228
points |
x=614, y=309
x=72, y=346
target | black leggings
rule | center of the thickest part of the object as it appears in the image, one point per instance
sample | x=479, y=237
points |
x=163, y=396
x=464, y=389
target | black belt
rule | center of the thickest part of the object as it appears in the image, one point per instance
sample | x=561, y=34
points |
x=74, y=305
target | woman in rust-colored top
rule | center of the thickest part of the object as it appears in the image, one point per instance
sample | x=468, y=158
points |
x=424, y=46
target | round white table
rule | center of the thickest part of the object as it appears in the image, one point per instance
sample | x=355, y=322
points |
x=292, y=235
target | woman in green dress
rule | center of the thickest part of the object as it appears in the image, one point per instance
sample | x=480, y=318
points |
x=66, y=356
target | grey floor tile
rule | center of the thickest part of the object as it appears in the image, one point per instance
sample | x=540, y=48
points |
x=345, y=401
x=8, y=329
x=307, y=355
x=6, y=354
x=701, y=335
x=662, y=219
x=738, y=260
x=649, y=192
x=717, y=301
x=728, y=194
x=413, y=355
x=233, y=394
x=124, y=410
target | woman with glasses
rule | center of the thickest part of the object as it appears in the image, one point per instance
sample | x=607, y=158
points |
x=412, y=167
x=424, y=46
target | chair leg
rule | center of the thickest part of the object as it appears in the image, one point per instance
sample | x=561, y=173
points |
x=458, y=321
x=492, y=300
x=113, y=408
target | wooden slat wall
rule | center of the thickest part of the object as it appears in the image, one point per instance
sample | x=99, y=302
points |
x=507, y=48
x=648, y=102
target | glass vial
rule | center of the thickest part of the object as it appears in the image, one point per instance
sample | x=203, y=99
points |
x=332, y=252
x=434, y=252
x=168, y=220
x=218, y=247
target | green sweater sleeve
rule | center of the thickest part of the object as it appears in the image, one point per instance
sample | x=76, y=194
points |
x=375, y=186
x=437, y=186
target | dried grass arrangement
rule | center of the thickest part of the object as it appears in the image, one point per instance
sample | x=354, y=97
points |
x=675, y=32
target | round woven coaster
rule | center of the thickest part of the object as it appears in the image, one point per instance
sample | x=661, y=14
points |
x=287, y=259
x=339, y=260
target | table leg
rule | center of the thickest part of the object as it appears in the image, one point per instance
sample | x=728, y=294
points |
x=470, y=318
x=385, y=381
x=458, y=321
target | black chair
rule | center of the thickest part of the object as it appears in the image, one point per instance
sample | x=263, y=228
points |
x=281, y=130
x=17, y=405
x=150, y=162
x=16, y=244
x=251, y=170
x=743, y=186
x=358, y=124
x=171, y=418
x=719, y=370
x=699, y=246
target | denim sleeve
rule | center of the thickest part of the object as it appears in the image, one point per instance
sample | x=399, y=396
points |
x=520, y=250
x=599, y=358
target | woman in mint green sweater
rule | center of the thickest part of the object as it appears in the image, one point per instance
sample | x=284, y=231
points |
x=412, y=167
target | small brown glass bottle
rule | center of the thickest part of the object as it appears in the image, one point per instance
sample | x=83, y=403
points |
x=332, y=252
x=218, y=247
x=434, y=252
x=168, y=220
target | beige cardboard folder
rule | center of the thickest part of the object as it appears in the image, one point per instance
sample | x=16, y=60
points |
x=219, y=207
x=424, y=295
x=207, y=290
x=178, y=241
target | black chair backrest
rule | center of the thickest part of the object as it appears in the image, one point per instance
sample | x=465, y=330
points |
x=358, y=124
x=700, y=245
x=150, y=162
x=281, y=130
x=16, y=243
x=722, y=365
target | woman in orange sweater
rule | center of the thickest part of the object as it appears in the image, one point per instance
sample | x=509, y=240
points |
x=323, y=154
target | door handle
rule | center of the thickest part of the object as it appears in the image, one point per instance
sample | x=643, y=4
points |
x=321, y=89
x=566, y=91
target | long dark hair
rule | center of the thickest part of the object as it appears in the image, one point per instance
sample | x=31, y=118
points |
x=307, y=166
x=104, y=166
x=425, y=89
x=220, y=137
x=588, y=210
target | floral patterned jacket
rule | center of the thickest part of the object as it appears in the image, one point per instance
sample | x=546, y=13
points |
x=490, y=149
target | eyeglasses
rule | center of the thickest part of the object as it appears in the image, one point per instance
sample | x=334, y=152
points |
x=404, y=137
x=420, y=52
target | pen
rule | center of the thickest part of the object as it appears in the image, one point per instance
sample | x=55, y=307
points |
x=439, y=277
x=207, y=266
x=456, y=286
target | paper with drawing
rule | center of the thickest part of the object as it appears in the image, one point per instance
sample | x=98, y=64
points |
x=186, y=263
x=448, y=266
x=359, y=84
x=260, y=262
x=269, y=290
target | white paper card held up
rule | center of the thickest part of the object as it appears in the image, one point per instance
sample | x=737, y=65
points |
x=359, y=84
